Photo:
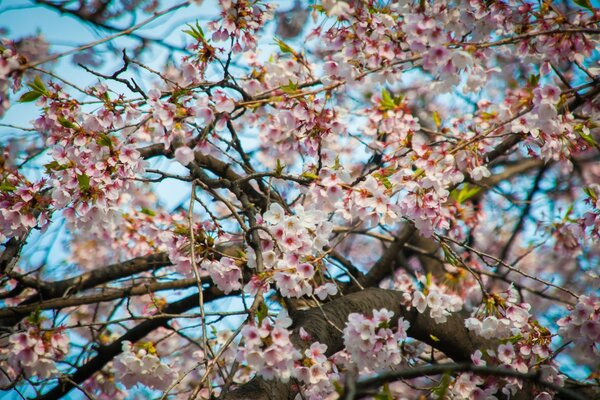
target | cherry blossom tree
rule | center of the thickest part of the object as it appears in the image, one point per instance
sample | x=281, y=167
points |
x=316, y=200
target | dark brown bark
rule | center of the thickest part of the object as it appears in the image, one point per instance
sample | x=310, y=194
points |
x=451, y=337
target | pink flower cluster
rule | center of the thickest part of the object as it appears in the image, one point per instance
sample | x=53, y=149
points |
x=371, y=342
x=297, y=127
x=225, y=273
x=291, y=240
x=440, y=304
x=424, y=193
x=90, y=168
x=9, y=62
x=140, y=364
x=267, y=348
x=240, y=21
x=502, y=316
x=23, y=205
x=370, y=201
x=34, y=352
x=591, y=219
x=171, y=119
x=582, y=325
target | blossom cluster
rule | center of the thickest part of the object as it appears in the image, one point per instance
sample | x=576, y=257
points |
x=372, y=342
x=90, y=168
x=582, y=325
x=9, y=62
x=288, y=246
x=591, y=219
x=224, y=273
x=296, y=127
x=268, y=350
x=139, y=363
x=34, y=352
x=525, y=344
x=240, y=21
x=502, y=318
x=440, y=304
x=23, y=204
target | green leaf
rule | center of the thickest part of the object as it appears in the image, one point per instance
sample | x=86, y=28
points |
x=587, y=137
x=290, y=88
x=147, y=211
x=262, y=312
x=38, y=85
x=309, y=175
x=84, y=182
x=591, y=194
x=441, y=390
x=383, y=180
x=104, y=140
x=29, y=96
x=534, y=79
x=387, y=101
x=338, y=387
x=66, y=123
x=52, y=166
x=337, y=165
x=279, y=168
x=35, y=318
x=585, y=4
x=449, y=256
x=284, y=47
x=436, y=119
x=465, y=193
x=6, y=187
x=195, y=31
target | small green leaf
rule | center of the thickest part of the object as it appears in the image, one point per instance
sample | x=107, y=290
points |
x=290, y=88
x=428, y=279
x=465, y=193
x=29, y=96
x=195, y=32
x=383, y=180
x=84, y=182
x=66, y=123
x=338, y=387
x=585, y=4
x=279, y=168
x=6, y=187
x=387, y=102
x=52, y=166
x=35, y=318
x=534, y=79
x=309, y=175
x=441, y=390
x=104, y=140
x=591, y=194
x=38, y=85
x=284, y=47
x=337, y=165
x=147, y=211
x=434, y=338
x=262, y=312
x=587, y=137
x=436, y=119
x=386, y=394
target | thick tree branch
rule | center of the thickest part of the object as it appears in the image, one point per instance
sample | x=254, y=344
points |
x=107, y=294
x=452, y=338
x=364, y=386
x=87, y=280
